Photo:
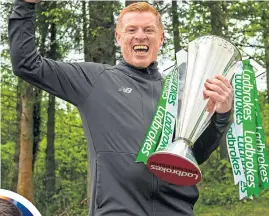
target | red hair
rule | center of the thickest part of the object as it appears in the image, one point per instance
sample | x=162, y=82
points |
x=139, y=7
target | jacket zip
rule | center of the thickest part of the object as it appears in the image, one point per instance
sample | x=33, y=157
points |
x=154, y=187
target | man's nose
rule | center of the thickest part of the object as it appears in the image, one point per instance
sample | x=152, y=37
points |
x=140, y=35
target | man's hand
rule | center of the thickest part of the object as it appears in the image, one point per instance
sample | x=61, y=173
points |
x=32, y=1
x=220, y=94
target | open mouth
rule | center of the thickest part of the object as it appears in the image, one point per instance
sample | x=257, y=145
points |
x=140, y=49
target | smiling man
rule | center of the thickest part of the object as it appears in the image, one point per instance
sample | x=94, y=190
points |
x=140, y=34
x=116, y=104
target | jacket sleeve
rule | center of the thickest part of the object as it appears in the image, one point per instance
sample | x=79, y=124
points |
x=70, y=81
x=210, y=138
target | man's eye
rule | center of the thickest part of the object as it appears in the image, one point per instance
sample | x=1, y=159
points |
x=149, y=30
x=130, y=30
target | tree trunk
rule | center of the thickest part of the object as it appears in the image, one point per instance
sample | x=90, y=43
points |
x=131, y=2
x=85, y=31
x=36, y=121
x=216, y=19
x=17, y=144
x=266, y=43
x=50, y=177
x=177, y=46
x=224, y=7
x=43, y=32
x=25, y=184
x=50, y=183
x=100, y=46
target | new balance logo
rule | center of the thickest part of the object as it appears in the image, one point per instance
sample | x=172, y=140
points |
x=125, y=90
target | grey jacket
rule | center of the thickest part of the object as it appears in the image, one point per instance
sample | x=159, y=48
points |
x=116, y=104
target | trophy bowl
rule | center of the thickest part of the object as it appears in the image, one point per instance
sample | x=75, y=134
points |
x=207, y=56
x=182, y=168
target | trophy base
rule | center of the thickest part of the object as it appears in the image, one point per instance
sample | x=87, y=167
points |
x=175, y=164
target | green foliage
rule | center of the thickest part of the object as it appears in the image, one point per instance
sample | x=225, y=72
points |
x=7, y=164
x=263, y=98
x=217, y=180
x=71, y=164
x=219, y=196
x=8, y=114
x=243, y=208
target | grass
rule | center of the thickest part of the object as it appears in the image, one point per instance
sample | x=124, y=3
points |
x=258, y=207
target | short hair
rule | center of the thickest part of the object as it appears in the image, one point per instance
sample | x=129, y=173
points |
x=139, y=7
x=8, y=209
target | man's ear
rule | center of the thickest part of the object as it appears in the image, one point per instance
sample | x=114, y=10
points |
x=162, y=39
x=118, y=37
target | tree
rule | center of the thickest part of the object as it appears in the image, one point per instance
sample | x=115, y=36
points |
x=127, y=3
x=98, y=31
x=265, y=26
x=175, y=22
x=254, y=31
x=17, y=145
x=217, y=18
x=25, y=184
x=50, y=178
x=42, y=32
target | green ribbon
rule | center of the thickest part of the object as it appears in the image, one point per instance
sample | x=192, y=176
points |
x=262, y=153
x=234, y=136
x=170, y=114
x=249, y=130
x=155, y=129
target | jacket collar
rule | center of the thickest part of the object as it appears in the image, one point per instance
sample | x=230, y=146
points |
x=150, y=72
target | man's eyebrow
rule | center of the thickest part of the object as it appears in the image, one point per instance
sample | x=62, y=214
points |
x=130, y=26
x=150, y=26
x=134, y=26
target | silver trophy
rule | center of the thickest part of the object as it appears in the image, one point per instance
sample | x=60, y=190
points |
x=207, y=56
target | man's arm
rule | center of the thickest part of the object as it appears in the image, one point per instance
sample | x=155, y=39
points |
x=71, y=82
x=210, y=138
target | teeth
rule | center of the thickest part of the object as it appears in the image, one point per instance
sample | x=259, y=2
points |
x=140, y=47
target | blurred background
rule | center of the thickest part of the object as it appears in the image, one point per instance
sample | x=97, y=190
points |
x=54, y=149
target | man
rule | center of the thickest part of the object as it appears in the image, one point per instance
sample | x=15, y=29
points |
x=8, y=209
x=117, y=104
